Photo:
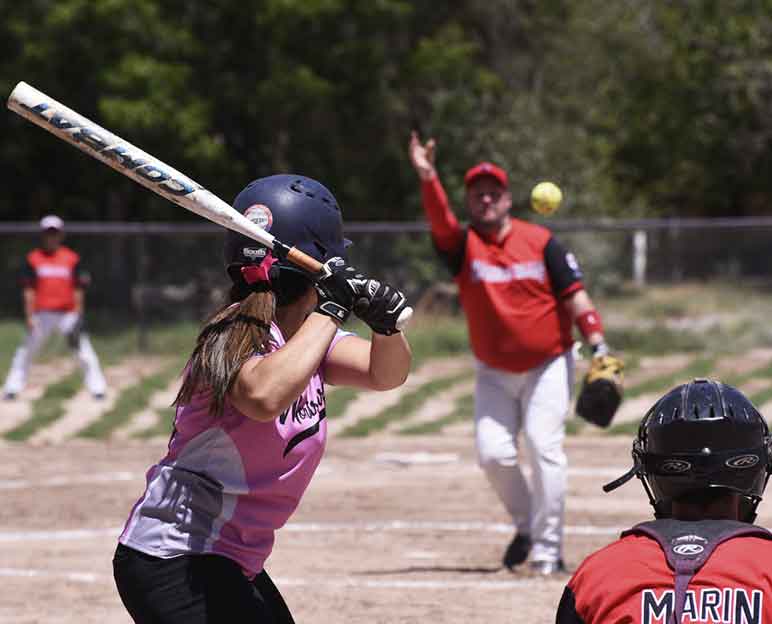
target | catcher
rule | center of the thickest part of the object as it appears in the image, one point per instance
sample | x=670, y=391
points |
x=704, y=455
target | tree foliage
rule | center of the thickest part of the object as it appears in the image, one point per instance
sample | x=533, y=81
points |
x=634, y=107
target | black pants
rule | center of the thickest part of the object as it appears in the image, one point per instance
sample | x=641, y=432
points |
x=194, y=589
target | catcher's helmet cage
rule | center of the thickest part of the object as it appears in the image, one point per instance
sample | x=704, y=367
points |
x=298, y=211
x=701, y=435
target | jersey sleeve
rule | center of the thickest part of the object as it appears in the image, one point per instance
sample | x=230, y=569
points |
x=340, y=334
x=563, y=269
x=448, y=236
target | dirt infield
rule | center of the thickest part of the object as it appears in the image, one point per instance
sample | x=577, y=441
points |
x=392, y=529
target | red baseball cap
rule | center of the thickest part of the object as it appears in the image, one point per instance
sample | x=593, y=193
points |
x=486, y=169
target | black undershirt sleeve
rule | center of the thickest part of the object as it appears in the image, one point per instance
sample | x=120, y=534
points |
x=81, y=277
x=453, y=259
x=562, y=267
x=27, y=275
x=566, y=613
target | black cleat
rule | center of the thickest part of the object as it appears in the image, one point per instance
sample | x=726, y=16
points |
x=9, y=396
x=517, y=551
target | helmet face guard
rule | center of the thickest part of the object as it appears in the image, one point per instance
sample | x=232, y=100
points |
x=700, y=436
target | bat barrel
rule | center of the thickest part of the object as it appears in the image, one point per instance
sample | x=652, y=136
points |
x=150, y=172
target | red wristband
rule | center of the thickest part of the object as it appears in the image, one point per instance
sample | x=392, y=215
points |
x=589, y=323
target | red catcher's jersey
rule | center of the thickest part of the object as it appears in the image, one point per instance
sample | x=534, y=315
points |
x=630, y=581
x=516, y=321
x=54, y=278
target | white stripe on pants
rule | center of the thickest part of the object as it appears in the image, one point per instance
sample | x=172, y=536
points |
x=45, y=323
x=535, y=403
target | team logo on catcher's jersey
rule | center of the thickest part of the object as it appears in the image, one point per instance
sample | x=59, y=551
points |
x=260, y=215
x=688, y=550
x=689, y=545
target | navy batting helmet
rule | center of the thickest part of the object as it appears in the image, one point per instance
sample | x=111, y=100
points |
x=298, y=211
x=699, y=436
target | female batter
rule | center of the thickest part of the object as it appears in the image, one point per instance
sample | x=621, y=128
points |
x=250, y=426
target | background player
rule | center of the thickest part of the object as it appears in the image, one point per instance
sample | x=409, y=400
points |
x=520, y=291
x=53, y=284
x=250, y=427
x=703, y=454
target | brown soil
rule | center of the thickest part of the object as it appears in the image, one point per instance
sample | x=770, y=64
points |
x=373, y=541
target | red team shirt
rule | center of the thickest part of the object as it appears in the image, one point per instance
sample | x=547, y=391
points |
x=510, y=289
x=630, y=581
x=54, y=276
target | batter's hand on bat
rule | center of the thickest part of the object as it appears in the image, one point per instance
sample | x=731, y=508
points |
x=422, y=156
x=380, y=306
x=338, y=289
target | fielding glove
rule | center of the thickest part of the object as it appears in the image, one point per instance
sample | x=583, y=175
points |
x=601, y=391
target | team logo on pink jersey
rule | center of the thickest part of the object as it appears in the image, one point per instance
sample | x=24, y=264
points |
x=260, y=215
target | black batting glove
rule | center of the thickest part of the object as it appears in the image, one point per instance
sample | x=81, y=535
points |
x=379, y=305
x=339, y=289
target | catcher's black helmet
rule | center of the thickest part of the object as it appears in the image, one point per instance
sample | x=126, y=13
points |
x=298, y=211
x=699, y=436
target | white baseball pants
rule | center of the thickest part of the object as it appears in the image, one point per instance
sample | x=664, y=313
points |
x=45, y=324
x=535, y=403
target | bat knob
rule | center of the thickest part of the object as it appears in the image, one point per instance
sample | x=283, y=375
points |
x=404, y=318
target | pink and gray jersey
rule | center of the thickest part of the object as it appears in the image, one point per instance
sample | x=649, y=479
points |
x=228, y=483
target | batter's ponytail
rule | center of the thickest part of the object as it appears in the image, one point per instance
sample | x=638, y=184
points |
x=239, y=330
x=229, y=338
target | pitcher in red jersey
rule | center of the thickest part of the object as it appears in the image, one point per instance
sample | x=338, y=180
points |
x=521, y=292
x=704, y=455
x=53, y=283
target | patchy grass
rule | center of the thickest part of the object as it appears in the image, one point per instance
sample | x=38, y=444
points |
x=337, y=401
x=575, y=425
x=705, y=320
x=761, y=397
x=163, y=426
x=407, y=404
x=462, y=411
x=655, y=340
x=11, y=335
x=132, y=400
x=48, y=408
x=437, y=337
x=699, y=367
x=762, y=372
x=625, y=428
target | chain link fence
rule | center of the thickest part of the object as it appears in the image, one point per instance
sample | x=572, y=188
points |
x=147, y=273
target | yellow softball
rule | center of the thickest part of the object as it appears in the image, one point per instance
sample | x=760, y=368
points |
x=546, y=198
